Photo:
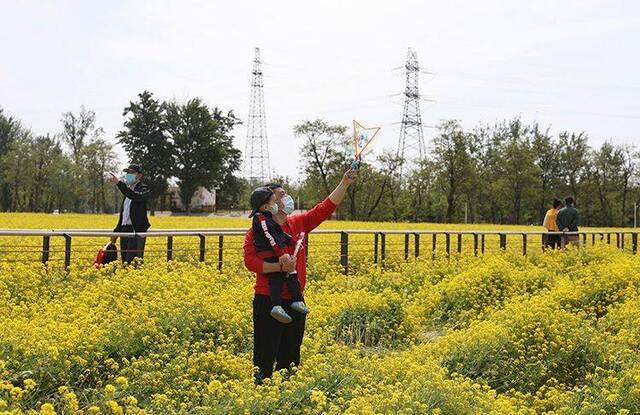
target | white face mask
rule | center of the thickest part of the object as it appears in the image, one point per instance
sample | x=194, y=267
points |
x=287, y=204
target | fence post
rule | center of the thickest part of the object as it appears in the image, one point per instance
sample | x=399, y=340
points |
x=220, y=251
x=306, y=247
x=618, y=240
x=344, y=251
x=45, y=248
x=608, y=238
x=203, y=247
x=416, y=242
x=434, y=244
x=459, y=248
x=634, y=242
x=383, y=248
x=406, y=246
x=503, y=241
x=475, y=244
x=622, y=241
x=67, y=250
x=524, y=244
x=593, y=239
x=482, y=246
x=169, y=248
x=448, y=242
x=376, y=237
x=584, y=239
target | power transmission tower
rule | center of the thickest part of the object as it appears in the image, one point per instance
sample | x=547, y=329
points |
x=256, y=155
x=411, y=147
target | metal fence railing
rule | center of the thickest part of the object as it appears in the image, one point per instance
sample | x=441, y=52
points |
x=342, y=246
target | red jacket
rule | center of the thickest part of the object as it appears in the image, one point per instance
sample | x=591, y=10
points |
x=303, y=222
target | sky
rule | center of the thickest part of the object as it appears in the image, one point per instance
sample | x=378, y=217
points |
x=569, y=65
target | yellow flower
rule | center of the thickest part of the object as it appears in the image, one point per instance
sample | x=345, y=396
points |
x=29, y=384
x=114, y=407
x=122, y=381
x=47, y=409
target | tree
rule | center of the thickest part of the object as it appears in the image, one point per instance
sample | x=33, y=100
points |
x=519, y=174
x=10, y=131
x=547, y=158
x=203, y=152
x=324, y=151
x=629, y=171
x=76, y=129
x=573, y=150
x=607, y=174
x=44, y=159
x=146, y=141
x=98, y=159
x=453, y=161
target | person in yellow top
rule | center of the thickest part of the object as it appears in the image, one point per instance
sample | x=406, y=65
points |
x=549, y=223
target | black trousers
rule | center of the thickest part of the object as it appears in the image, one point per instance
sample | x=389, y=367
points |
x=552, y=241
x=277, y=280
x=275, y=342
x=131, y=248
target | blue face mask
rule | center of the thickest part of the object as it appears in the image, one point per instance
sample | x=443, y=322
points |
x=274, y=209
x=131, y=178
x=287, y=204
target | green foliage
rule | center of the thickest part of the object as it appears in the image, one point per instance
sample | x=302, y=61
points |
x=146, y=141
x=203, y=152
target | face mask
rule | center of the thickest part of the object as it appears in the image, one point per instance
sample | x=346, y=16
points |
x=274, y=209
x=131, y=178
x=287, y=204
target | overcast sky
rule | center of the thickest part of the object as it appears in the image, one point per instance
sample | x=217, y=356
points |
x=571, y=65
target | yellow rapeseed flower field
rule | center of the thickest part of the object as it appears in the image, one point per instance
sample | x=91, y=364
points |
x=503, y=333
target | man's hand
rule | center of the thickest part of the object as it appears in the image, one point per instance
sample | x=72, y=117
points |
x=289, y=265
x=284, y=258
x=350, y=176
x=113, y=178
x=347, y=180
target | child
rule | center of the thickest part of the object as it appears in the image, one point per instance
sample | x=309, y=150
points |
x=270, y=241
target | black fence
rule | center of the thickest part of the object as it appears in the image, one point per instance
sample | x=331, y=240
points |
x=342, y=246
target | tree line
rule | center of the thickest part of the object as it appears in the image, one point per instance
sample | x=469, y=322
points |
x=189, y=143
x=505, y=173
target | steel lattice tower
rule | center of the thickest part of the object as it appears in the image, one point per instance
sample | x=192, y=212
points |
x=256, y=155
x=411, y=146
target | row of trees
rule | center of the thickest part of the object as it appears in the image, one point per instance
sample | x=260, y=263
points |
x=38, y=174
x=190, y=143
x=503, y=173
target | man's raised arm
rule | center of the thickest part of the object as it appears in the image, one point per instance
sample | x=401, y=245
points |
x=323, y=210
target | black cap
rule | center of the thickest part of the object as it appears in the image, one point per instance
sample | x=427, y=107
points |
x=133, y=168
x=259, y=197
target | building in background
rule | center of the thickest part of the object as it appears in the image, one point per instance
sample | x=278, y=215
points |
x=204, y=200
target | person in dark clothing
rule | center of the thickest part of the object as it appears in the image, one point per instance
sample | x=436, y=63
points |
x=133, y=213
x=568, y=220
x=270, y=243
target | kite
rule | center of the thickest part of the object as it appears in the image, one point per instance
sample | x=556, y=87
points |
x=362, y=139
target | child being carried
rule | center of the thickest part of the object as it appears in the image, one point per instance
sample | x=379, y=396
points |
x=271, y=243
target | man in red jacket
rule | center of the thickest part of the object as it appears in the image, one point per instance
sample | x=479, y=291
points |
x=274, y=341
